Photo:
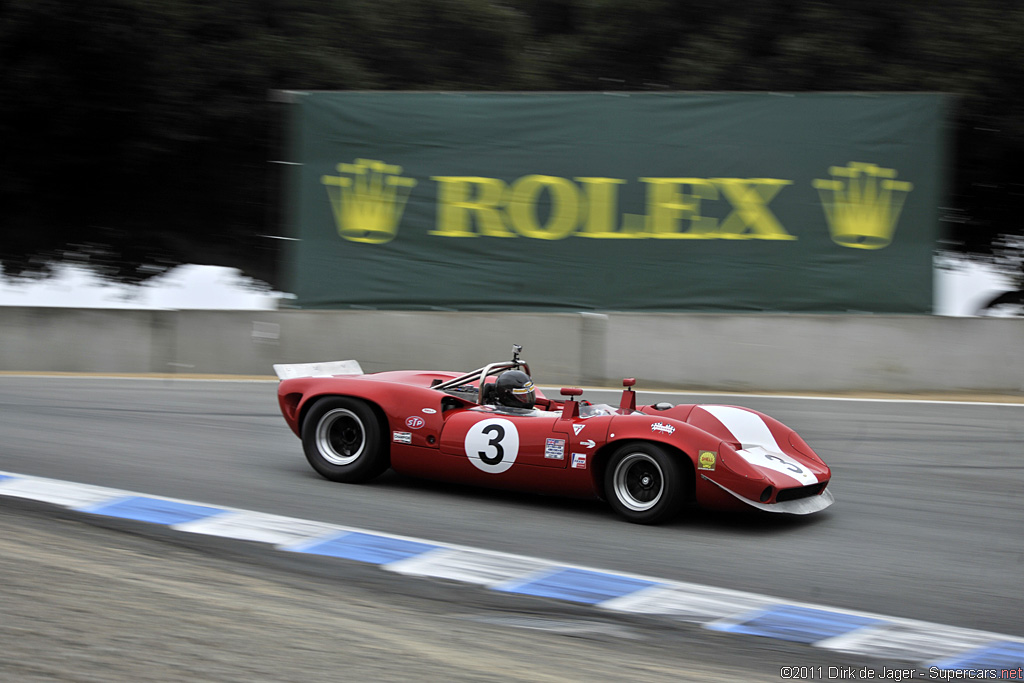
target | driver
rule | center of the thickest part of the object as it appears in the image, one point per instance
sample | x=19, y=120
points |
x=514, y=389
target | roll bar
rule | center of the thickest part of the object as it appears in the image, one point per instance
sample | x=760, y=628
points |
x=480, y=375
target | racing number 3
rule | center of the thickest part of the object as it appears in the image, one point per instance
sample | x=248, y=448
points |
x=791, y=466
x=499, y=433
x=492, y=444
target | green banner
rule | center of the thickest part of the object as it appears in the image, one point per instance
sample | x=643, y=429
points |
x=616, y=201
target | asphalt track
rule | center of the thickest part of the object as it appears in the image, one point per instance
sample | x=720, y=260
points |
x=928, y=524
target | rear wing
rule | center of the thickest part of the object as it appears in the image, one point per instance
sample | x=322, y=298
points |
x=327, y=369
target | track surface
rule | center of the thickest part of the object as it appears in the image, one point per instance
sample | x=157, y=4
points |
x=927, y=525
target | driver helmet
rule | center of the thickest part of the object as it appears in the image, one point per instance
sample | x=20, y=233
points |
x=514, y=389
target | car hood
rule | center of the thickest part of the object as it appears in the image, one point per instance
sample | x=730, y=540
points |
x=763, y=442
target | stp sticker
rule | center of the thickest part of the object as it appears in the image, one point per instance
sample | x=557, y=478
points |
x=414, y=422
x=402, y=437
x=663, y=428
x=579, y=461
x=492, y=445
x=554, y=449
x=706, y=460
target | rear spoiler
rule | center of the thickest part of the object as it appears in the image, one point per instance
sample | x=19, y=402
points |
x=328, y=369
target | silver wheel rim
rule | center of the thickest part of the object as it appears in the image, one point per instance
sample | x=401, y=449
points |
x=639, y=482
x=340, y=437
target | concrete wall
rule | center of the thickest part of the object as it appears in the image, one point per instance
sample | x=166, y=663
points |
x=701, y=351
x=826, y=353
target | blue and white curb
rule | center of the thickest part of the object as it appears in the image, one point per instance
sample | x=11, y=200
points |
x=930, y=646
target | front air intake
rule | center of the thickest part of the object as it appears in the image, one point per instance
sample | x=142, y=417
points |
x=800, y=492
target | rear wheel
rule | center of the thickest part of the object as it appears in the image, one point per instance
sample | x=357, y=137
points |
x=344, y=440
x=644, y=484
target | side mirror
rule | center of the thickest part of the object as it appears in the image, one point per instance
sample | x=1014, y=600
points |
x=628, y=402
x=571, y=409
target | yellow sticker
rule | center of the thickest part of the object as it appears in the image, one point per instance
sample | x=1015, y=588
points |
x=706, y=460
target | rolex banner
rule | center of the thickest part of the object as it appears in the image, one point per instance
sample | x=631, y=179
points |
x=616, y=201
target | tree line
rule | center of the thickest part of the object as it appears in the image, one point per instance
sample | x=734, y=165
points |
x=137, y=133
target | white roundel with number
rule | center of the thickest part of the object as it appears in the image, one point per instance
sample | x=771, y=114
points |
x=493, y=444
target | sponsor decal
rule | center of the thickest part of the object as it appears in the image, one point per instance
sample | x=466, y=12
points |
x=429, y=411
x=589, y=443
x=554, y=449
x=414, y=422
x=706, y=460
x=401, y=437
x=862, y=203
x=471, y=206
x=577, y=428
x=663, y=428
x=367, y=199
x=579, y=461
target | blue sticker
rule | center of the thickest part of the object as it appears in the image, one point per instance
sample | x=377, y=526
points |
x=797, y=624
x=554, y=449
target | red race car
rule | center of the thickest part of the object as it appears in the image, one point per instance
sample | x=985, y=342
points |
x=493, y=427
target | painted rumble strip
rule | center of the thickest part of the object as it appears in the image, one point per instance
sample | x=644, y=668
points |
x=727, y=611
x=797, y=624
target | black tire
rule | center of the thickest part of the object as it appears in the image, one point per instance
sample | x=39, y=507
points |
x=644, y=484
x=344, y=440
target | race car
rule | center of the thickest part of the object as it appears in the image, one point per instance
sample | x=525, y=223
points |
x=493, y=427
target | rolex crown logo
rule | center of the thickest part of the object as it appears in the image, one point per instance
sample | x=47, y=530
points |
x=862, y=204
x=367, y=199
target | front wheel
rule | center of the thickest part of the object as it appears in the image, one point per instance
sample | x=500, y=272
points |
x=644, y=484
x=344, y=441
